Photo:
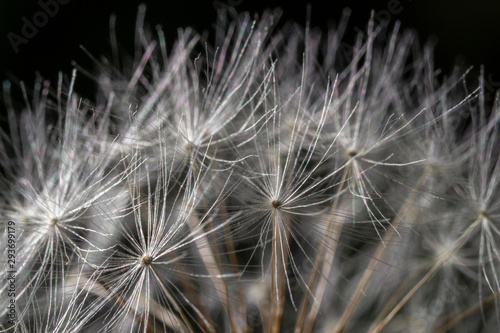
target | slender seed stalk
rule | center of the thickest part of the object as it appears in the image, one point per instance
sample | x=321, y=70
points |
x=212, y=260
x=333, y=229
x=176, y=307
x=358, y=292
x=442, y=260
x=101, y=289
x=398, y=294
x=454, y=320
x=190, y=289
x=279, y=262
x=212, y=266
x=233, y=259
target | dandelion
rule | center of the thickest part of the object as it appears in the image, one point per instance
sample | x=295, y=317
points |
x=54, y=175
x=158, y=257
x=482, y=184
x=256, y=180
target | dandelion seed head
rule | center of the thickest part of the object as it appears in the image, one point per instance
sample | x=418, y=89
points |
x=334, y=164
x=146, y=260
x=276, y=204
x=188, y=145
x=352, y=153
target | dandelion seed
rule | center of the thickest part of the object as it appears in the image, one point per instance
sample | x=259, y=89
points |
x=51, y=189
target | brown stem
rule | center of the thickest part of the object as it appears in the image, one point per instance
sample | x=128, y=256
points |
x=172, y=299
x=443, y=259
x=454, y=320
x=278, y=275
x=354, y=301
x=234, y=264
x=393, y=300
x=212, y=260
x=333, y=229
x=102, y=289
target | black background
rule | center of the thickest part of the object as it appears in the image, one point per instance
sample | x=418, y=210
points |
x=467, y=32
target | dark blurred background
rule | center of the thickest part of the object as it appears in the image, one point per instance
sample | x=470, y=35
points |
x=467, y=32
